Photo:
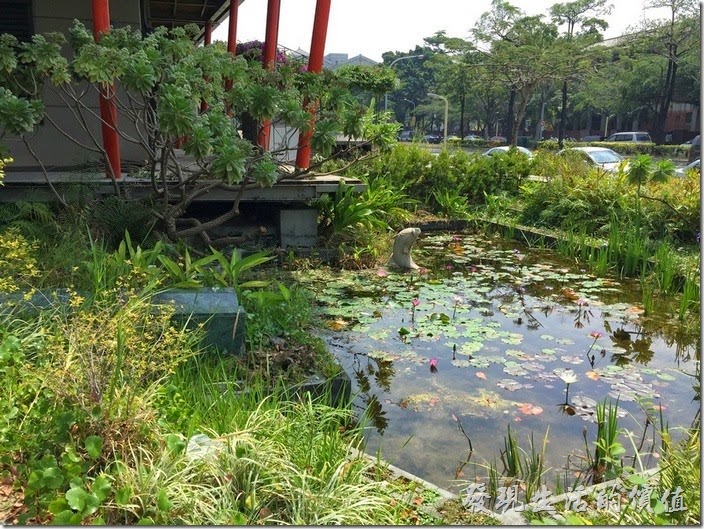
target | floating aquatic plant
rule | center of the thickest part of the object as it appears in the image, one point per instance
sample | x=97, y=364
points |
x=568, y=377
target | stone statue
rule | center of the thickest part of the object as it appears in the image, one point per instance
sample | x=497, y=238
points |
x=401, y=258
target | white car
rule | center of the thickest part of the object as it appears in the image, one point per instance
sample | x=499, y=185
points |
x=681, y=171
x=505, y=148
x=602, y=157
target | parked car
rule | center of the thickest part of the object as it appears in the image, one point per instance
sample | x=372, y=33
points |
x=630, y=136
x=470, y=137
x=602, y=157
x=696, y=150
x=432, y=138
x=405, y=135
x=506, y=148
x=681, y=171
x=498, y=139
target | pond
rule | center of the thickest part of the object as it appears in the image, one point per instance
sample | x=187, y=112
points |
x=487, y=335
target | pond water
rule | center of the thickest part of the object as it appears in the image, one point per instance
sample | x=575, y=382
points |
x=483, y=338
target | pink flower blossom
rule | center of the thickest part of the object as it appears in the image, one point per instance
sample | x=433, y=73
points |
x=434, y=362
x=382, y=273
x=596, y=334
x=415, y=302
x=582, y=301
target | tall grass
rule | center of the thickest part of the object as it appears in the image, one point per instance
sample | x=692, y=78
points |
x=527, y=467
x=608, y=452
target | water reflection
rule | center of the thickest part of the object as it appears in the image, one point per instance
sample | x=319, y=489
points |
x=492, y=354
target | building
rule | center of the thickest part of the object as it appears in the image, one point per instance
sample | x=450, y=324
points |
x=24, y=18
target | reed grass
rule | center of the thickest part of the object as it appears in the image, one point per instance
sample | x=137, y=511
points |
x=607, y=455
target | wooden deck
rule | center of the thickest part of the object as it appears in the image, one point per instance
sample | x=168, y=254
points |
x=20, y=185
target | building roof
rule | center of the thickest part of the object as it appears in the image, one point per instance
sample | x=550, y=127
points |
x=175, y=13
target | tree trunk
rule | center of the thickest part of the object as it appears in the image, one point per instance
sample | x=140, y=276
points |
x=462, y=99
x=522, y=105
x=668, y=90
x=509, y=125
x=563, y=117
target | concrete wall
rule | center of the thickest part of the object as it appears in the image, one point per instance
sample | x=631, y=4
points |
x=54, y=149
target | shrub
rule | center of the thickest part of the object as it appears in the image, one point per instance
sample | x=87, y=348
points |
x=566, y=200
x=674, y=209
x=18, y=261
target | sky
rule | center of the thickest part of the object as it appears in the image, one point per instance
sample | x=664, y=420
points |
x=372, y=27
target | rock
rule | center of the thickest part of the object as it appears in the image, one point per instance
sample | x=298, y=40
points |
x=202, y=448
x=401, y=257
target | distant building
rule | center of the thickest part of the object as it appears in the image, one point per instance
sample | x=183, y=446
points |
x=359, y=60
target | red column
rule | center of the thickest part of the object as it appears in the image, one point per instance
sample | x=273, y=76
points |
x=208, y=33
x=207, y=39
x=232, y=27
x=108, y=111
x=232, y=34
x=315, y=64
x=269, y=58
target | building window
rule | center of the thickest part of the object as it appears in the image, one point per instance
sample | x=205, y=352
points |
x=16, y=18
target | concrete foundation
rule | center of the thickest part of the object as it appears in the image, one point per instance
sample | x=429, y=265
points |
x=218, y=310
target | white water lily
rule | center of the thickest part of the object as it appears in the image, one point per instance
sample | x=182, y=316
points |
x=567, y=376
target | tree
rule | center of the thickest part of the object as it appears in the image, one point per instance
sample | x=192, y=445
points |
x=576, y=15
x=413, y=78
x=525, y=62
x=160, y=81
x=671, y=40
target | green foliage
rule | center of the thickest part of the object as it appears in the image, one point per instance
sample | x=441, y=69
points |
x=421, y=174
x=576, y=199
x=451, y=204
x=346, y=210
x=606, y=463
x=165, y=79
x=18, y=261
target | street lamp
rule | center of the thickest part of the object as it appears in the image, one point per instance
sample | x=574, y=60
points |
x=386, y=95
x=412, y=120
x=430, y=94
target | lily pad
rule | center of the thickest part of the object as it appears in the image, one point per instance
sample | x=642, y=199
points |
x=570, y=359
x=509, y=384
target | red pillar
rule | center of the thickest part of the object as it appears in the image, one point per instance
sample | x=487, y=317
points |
x=207, y=39
x=232, y=27
x=315, y=64
x=108, y=111
x=232, y=34
x=208, y=33
x=269, y=59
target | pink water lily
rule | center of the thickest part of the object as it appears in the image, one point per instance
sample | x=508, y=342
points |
x=596, y=334
x=414, y=303
x=382, y=273
x=581, y=302
x=433, y=365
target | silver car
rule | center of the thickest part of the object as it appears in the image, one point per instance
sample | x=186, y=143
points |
x=602, y=157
